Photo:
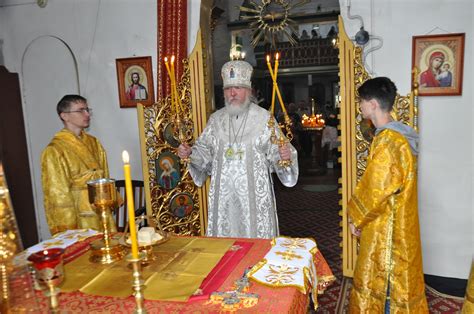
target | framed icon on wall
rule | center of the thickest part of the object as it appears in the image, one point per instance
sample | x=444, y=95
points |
x=440, y=61
x=135, y=81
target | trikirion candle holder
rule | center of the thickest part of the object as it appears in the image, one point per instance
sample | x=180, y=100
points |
x=103, y=197
x=137, y=282
x=48, y=266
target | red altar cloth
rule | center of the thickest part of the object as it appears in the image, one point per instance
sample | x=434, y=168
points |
x=272, y=300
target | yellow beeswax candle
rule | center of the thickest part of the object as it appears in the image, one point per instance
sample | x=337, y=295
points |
x=130, y=205
x=173, y=103
x=272, y=108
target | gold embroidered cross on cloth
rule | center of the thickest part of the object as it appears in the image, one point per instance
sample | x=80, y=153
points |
x=290, y=262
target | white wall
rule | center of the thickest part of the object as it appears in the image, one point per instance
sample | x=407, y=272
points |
x=445, y=182
x=194, y=11
x=98, y=32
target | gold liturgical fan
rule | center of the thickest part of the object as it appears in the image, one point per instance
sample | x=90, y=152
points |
x=103, y=197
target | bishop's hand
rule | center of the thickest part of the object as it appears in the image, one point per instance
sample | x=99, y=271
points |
x=285, y=152
x=184, y=150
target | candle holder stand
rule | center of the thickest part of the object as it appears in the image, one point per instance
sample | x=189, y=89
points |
x=182, y=135
x=103, y=197
x=137, y=282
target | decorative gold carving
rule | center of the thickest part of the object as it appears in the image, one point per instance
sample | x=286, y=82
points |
x=271, y=17
x=153, y=120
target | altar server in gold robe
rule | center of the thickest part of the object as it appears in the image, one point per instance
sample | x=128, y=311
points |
x=72, y=158
x=468, y=306
x=388, y=276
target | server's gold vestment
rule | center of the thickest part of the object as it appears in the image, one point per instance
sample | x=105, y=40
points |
x=468, y=306
x=384, y=206
x=67, y=163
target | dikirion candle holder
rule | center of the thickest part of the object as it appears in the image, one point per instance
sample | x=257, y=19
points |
x=286, y=125
x=137, y=282
x=48, y=266
x=103, y=198
x=179, y=121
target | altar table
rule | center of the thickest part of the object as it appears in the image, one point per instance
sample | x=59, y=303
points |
x=272, y=300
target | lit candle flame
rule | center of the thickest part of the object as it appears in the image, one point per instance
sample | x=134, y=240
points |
x=268, y=58
x=277, y=56
x=125, y=157
x=172, y=59
x=166, y=59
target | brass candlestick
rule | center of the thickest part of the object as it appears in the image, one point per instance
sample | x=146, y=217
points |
x=281, y=139
x=182, y=137
x=138, y=283
x=103, y=197
x=183, y=132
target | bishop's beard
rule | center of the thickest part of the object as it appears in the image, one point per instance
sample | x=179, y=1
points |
x=235, y=110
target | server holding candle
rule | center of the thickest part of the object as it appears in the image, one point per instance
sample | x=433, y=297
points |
x=235, y=149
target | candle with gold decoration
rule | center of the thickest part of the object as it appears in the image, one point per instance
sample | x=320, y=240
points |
x=275, y=73
x=130, y=204
x=177, y=100
x=272, y=108
x=173, y=105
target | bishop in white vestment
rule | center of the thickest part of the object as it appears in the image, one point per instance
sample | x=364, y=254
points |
x=236, y=151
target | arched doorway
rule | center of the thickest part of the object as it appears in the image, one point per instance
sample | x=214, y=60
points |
x=47, y=65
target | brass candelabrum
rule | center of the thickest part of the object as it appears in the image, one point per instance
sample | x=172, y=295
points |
x=283, y=137
x=103, y=198
x=137, y=282
x=181, y=133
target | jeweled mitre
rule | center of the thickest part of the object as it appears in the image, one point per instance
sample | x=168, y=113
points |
x=237, y=73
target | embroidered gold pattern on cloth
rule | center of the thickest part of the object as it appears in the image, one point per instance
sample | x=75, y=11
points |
x=281, y=275
x=290, y=262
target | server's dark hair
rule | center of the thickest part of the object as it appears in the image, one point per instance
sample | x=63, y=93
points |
x=381, y=89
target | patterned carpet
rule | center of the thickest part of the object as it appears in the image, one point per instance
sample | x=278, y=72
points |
x=304, y=213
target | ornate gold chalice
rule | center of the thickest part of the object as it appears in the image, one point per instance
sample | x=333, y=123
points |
x=103, y=197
